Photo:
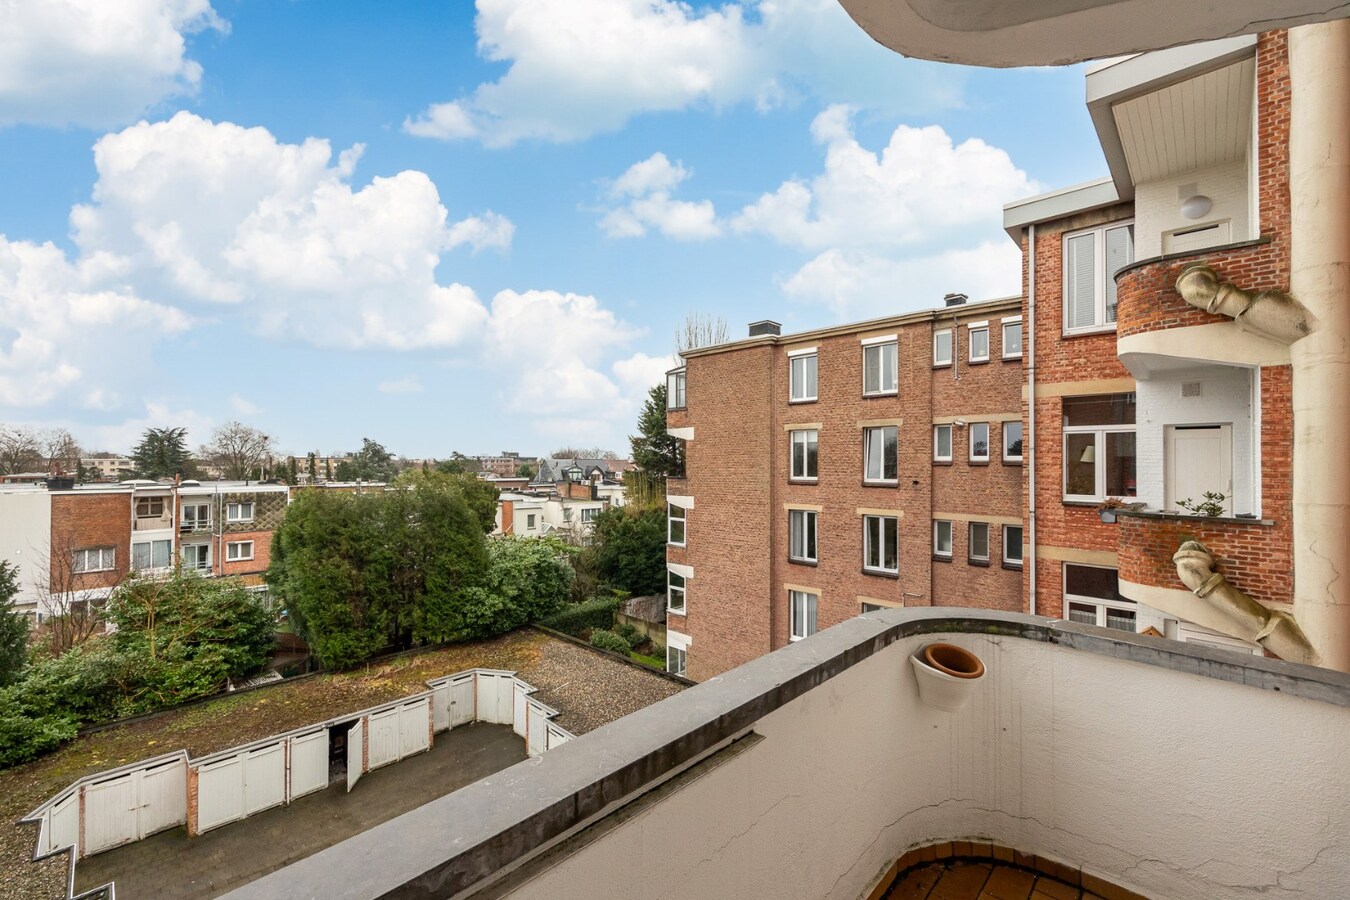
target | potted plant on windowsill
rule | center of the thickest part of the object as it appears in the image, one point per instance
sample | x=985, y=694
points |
x=1107, y=510
x=1212, y=507
x=947, y=675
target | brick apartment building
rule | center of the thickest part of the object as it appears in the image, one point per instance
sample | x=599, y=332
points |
x=79, y=542
x=839, y=470
x=1139, y=396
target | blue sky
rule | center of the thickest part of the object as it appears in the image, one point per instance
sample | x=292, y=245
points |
x=451, y=227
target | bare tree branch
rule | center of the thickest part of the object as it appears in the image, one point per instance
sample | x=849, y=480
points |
x=701, y=330
x=20, y=450
x=241, y=452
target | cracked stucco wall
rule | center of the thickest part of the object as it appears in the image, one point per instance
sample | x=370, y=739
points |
x=1171, y=784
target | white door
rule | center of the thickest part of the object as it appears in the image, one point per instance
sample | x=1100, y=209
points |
x=264, y=778
x=163, y=796
x=414, y=728
x=1199, y=458
x=356, y=739
x=461, y=701
x=520, y=714
x=309, y=763
x=220, y=792
x=487, y=699
x=383, y=739
x=110, y=814
x=440, y=706
x=64, y=830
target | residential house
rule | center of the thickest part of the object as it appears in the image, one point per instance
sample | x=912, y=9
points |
x=832, y=472
x=537, y=513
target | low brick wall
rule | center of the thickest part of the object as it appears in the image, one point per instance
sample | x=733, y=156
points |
x=1253, y=556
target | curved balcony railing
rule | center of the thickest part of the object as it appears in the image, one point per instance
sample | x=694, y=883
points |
x=1146, y=294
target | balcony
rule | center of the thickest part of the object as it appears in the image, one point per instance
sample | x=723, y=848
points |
x=1168, y=769
x=195, y=527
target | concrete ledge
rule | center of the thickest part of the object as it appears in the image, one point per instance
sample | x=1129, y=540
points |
x=468, y=839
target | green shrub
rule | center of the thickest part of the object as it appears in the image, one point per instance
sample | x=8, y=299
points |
x=576, y=618
x=631, y=635
x=608, y=640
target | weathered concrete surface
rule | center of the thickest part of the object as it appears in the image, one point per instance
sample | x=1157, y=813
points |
x=170, y=865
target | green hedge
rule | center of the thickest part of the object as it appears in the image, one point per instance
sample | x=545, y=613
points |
x=608, y=640
x=574, y=619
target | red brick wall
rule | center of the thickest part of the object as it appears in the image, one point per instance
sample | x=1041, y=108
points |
x=84, y=520
x=262, y=553
x=1253, y=557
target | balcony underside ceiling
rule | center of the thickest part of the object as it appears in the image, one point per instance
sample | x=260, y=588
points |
x=1058, y=32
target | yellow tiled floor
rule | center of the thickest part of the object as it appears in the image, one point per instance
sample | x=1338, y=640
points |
x=983, y=880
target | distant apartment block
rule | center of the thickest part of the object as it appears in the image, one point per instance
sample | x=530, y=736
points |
x=827, y=473
x=74, y=544
x=108, y=468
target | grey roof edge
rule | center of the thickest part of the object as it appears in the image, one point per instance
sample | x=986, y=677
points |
x=464, y=839
x=1057, y=205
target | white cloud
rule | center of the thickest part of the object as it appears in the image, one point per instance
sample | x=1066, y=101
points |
x=920, y=188
x=408, y=385
x=639, y=373
x=243, y=407
x=96, y=62
x=217, y=213
x=646, y=186
x=122, y=436
x=67, y=335
x=583, y=67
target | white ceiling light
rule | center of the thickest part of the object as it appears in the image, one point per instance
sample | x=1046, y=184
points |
x=1195, y=206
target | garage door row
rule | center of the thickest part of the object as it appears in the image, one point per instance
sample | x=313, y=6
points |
x=126, y=804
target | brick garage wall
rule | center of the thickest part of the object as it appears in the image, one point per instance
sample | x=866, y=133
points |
x=262, y=553
x=84, y=520
x=729, y=532
x=1253, y=557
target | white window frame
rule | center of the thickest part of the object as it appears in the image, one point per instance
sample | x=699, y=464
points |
x=867, y=478
x=230, y=548
x=105, y=560
x=937, y=543
x=1008, y=560
x=168, y=560
x=1007, y=443
x=806, y=436
x=234, y=512
x=194, y=549
x=671, y=519
x=937, y=451
x=589, y=514
x=970, y=542
x=809, y=521
x=880, y=346
x=973, y=329
x=1012, y=322
x=150, y=503
x=197, y=521
x=680, y=661
x=938, y=360
x=975, y=426
x=881, y=521
x=672, y=588
x=1101, y=605
x=676, y=388
x=530, y=519
x=1100, y=276
x=1099, y=457
x=807, y=600
x=801, y=356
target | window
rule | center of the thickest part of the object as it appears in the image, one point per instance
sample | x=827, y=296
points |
x=978, y=549
x=676, y=659
x=942, y=443
x=675, y=390
x=880, y=374
x=675, y=523
x=1012, y=339
x=239, y=512
x=196, y=517
x=149, y=507
x=881, y=544
x=1091, y=261
x=589, y=514
x=805, y=446
x=674, y=592
x=942, y=348
x=1092, y=597
x=942, y=539
x=1012, y=441
x=1099, y=447
x=238, y=551
x=529, y=521
x=802, y=377
x=1012, y=545
x=803, y=613
x=979, y=344
x=95, y=559
x=151, y=555
x=197, y=557
x=802, y=535
x=979, y=442
x=879, y=448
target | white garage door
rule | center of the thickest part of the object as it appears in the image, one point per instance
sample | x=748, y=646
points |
x=461, y=700
x=496, y=697
x=383, y=741
x=520, y=711
x=414, y=726
x=133, y=805
x=309, y=763
x=247, y=782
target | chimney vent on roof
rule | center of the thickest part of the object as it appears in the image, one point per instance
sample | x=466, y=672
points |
x=955, y=299
x=766, y=326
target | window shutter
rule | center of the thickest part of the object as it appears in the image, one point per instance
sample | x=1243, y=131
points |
x=1119, y=254
x=1081, y=300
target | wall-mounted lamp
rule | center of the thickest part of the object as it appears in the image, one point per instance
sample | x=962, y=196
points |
x=1196, y=206
x=960, y=423
x=1089, y=454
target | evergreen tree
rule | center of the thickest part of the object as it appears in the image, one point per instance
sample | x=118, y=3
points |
x=162, y=453
x=13, y=627
x=654, y=451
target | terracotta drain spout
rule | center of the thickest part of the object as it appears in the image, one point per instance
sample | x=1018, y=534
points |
x=953, y=660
